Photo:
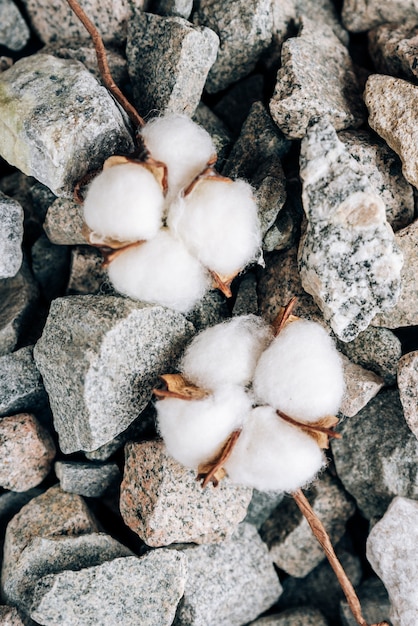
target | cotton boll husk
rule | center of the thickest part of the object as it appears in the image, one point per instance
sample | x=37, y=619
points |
x=226, y=353
x=301, y=373
x=218, y=222
x=124, y=202
x=195, y=430
x=271, y=455
x=160, y=271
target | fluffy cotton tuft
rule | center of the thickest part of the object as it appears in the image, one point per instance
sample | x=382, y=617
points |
x=160, y=271
x=124, y=202
x=226, y=353
x=195, y=430
x=271, y=455
x=218, y=222
x=301, y=373
x=184, y=146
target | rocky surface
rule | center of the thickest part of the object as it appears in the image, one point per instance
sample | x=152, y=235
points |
x=11, y=235
x=408, y=388
x=361, y=385
x=393, y=48
x=374, y=600
x=361, y=15
x=14, y=32
x=21, y=387
x=293, y=617
x=87, y=479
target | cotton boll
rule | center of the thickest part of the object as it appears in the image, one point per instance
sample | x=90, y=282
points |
x=195, y=430
x=226, y=353
x=160, y=271
x=218, y=222
x=301, y=373
x=124, y=202
x=271, y=455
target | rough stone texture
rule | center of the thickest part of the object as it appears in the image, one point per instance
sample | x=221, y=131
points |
x=21, y=387
x=234, y=106
x=376, y=458
x=216, y=128
x=244, y=584
x=305, y=616
x=348, y=258
x=11, y=502
x=393, y=114
x=394, y=48
x=26, y=452
x=168, y=62
x=180, y=8
x=374, y=602
x=408, y=389
x=361, y=15
x=100, y=357
x=262, y=504
x=163, y=503
x=64, y=222
x=10, y=616
x=11, y=234
x=86, y=479
x=384, y=172
x=87, y=274
x=323, y=12
x=405, y=312
x=14, y=32
x=316, y=79
x=292, y=545
x=127, y=590
x=210, y=310
x=246, y=300
x=57, y=121
x=361, y=385
x=393, y=553
x=50, y=265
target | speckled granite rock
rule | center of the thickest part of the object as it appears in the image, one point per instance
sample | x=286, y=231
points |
x=11, y=234
x=163, y=503
x=323, y=12
x=408, y=388
x=393, y=114
x=316, y=79
x=168, y=62
x=127, y=590
x=262, y=504
x=392, y=552
x=26, y=452
x=87, y=274
x=305, y=616
x=64, y=222
x=361, y=385
x=14, y=32
x=210, y=310
x=292, y=545
x=246, y=300
x=100, y=357
x=235, y=22
x=245, y=583
x=10, y=616
x=376, y=458
x=87, y=479
x=348, y=258
x=21, y=387
x=180, y=8
x=57, y=121
x=361, y=15
x=374, y=603
x=393, y=48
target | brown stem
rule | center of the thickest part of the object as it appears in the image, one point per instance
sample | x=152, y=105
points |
x=307, y=426
x=104, y=69
x=283, y=316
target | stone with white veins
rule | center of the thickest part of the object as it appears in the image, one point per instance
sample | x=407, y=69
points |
x=11, y=234
x=348, y=258
x=14, y=32
x=361, y=15
x=392, y=551
x=57, y=122
x=408, y=388
x=394, y=47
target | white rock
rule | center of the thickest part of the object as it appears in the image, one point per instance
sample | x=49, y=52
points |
x=11, y=235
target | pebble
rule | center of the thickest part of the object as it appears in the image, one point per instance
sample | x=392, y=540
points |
x=374, y=601
x=393, y=49
x=11, y=235
x=87, y=274
x=21, y=387
x=304, y=616
x=90, y=480
x=14, y=32
x=164, y=503
x=179, y=8
x=408, y=389
x=64, y=222
x=361, y=15
x=393, y=554
x=361, y=385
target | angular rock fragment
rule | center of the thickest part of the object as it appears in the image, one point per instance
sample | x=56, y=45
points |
x=87, y=274
x=86, y=479
x=394, y=49
x=316, y=79
x=14, y=32
x=393, y=554
x=10, y=616
x=163, y=503
x=178, y=53
x=348, y=258
x=408, y=389
x=57, y=122
x=64, y=223
x=179, y=8
x=361, y=385
x=261, y=506
x=11, y=502
x=26, y=452
x=235, y=22
x=21, y=387
x=292, y=545
x=323, y=12
x=50, y=265
x=100, y=357
x=11, y=235
x=304, y=616
x=374, y=602
x=245, y=583
x=376, y=456
x=361, y=15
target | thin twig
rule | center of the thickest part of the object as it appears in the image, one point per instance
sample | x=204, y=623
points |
x=283, y=316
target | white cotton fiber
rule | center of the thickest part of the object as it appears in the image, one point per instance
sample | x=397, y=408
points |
x=160, y=271
x=271, y=455
x=218, y=222
x=195, y=430
x=184, y=146
x=124, y=202
x=301, y=373
x=226, y=353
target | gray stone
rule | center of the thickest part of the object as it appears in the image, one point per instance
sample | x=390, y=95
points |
x=384, y=172
x=21, y=387
x=361, y=15
x=304, y=616
x=14, y=32
x=361, y=385
x=376, y=458
x=11, y=502
x=100, y=358
x=220, y=134
x=246, y=301
x=127, y=590
x=316, y=79
x=50, y=265
x=323, y=12
x=163, y=503
x=392, y=552
x=348, y=258
x=262, y=504
x=292, y=545
x=374, y=603
x=230, y=583
x=57, y=121
x=87, y=274
x=210, y=310
x=64, y=222
x=408, y=389
x=282, y=234
x=234, y=106
x=168, y=62
x=11, y=235
x=87, y=479
x=180, y=8
x=393, y=114
x=10, y=616
x=393, y=48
